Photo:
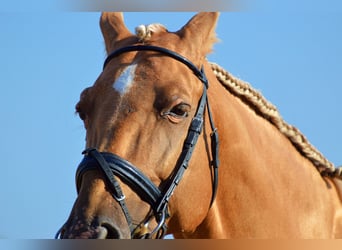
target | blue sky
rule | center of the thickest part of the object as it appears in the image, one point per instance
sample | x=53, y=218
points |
x=48, y=57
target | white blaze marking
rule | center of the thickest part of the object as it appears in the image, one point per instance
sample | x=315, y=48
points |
x=125, y=80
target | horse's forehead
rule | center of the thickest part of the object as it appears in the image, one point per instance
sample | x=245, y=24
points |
x=125, y=80
x=148, y=72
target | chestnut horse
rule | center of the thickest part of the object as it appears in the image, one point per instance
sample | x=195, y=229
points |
x=159, y=120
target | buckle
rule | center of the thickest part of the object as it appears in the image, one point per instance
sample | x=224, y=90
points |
x=118, y=199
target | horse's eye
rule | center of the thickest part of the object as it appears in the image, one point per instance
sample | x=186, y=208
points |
x=177, y=113
x=180, y=110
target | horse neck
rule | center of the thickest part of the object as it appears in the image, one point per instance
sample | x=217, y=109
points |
x=259, y=168
x=246, y=137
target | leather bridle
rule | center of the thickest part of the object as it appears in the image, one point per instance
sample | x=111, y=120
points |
x=113, y=166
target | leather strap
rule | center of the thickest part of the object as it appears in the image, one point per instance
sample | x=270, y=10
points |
x=199, y=73
x=127, y=173
x=194, y=131
x=116, y=190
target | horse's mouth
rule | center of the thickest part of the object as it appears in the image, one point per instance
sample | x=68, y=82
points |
x=104, y=231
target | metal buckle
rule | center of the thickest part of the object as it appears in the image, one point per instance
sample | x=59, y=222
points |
x=118, y=199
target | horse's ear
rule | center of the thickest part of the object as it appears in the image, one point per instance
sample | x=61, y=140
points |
x=199, y=32
x=113, y=28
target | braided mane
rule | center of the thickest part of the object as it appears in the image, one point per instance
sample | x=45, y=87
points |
x=264, y=108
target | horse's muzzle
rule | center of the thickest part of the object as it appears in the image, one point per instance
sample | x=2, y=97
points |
x=98, y=229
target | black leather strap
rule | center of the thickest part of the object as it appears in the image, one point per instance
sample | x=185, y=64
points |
x=214, y=153
x=127, y=173
x=194, y=131
x=116, y=190
x=199, y=73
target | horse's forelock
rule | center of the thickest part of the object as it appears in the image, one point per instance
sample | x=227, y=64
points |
x=145, y=32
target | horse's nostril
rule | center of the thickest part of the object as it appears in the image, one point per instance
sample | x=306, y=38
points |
x=108, y=231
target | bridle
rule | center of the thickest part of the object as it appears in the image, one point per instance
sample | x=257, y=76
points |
x=113, y=166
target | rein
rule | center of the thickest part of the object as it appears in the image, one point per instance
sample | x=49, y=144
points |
x=113, y=166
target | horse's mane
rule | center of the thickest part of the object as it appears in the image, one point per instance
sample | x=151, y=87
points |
x=264, y=108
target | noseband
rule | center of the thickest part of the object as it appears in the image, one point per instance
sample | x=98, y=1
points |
x=113, y=166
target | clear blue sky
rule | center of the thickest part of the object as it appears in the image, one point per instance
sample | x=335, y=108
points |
x=47, y=58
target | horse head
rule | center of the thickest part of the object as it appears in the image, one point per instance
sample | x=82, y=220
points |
x=140, y=118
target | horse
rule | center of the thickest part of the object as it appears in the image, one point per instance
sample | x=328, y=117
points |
x=177, y=145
